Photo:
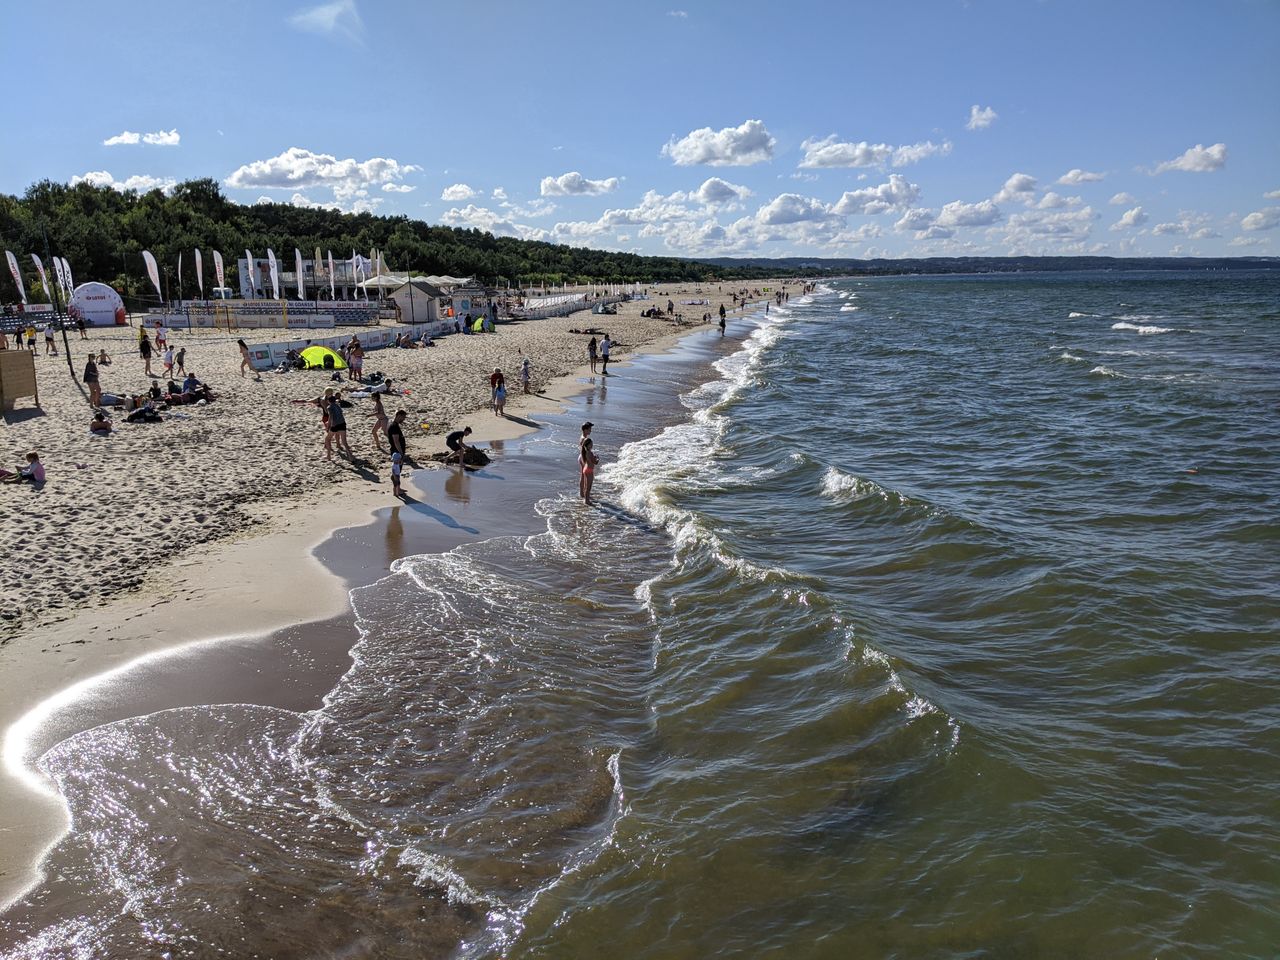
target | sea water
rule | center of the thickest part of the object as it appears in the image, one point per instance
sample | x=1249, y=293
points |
x=919, y=617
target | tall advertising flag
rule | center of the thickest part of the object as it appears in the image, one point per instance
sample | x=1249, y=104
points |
x=316, y=266
x=60, y=274
x=275, y=274
x=253, y=279
x=217, y=268
x=44, y=281
x=200, y=273
x=153, y=271
x=66, y=272
x=297, y=261
x=332, y=294
x=179, y=274
x=17, y=274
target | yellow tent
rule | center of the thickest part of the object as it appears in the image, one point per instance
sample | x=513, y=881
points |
x=478, y=326
x=315, y=359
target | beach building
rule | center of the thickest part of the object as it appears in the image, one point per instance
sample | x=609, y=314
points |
x=417, y=301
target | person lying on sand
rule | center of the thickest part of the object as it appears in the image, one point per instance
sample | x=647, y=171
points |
x=100, y=426
x=32, y=473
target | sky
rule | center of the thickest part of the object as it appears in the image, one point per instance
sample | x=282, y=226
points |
x=690, y=128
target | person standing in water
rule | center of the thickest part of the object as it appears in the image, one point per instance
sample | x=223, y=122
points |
x=605, y=345
x=587, y=461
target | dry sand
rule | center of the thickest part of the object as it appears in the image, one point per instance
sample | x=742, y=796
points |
x=115, y=508
x=203, y=526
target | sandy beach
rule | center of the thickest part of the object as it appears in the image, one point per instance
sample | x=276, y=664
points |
x=204, y=526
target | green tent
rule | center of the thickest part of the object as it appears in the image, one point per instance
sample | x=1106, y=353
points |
x=478, y=326
x=314, y=358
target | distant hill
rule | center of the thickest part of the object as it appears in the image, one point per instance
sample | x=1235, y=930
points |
x=836, y=265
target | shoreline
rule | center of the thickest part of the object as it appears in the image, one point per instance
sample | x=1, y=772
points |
x=62, y=666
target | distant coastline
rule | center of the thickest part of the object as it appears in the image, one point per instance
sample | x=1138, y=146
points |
x=829, y=266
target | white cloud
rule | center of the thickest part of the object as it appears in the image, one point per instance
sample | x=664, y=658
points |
x=715, y=191
x=960, y=214
x=791, y=208
x=160, y=138
x=498, y=194
x=1198, y=159
x=339, y=18
x=896, y=194
x=140, y=182
x=1122, y=199
x=918, y=218
x=482, y=218
x=457, y=192
x=1261, y=220
x=574, y=184
x=398, y=188
x=1061, y=225
x=1055, y=201
x=300, y=169
x=831, y=152
x=1134, y=217
x=1020, y=187
x=1189, y=224
x=1075, y=176
x=980, y=118
x=1271, y=195
x=740, y=146
x=534, y=208
x=1249, y=241
x=680, y=14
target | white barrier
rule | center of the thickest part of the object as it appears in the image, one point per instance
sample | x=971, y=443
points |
x=268, y=356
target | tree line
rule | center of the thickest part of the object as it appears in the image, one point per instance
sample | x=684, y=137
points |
x=102, y=232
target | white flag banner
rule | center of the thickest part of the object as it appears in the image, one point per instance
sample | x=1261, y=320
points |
x=217, y=268
x=17, y=274
x=44, y=281
x=200, y=273
x=71, y=285
x=253, y=278
x=297, y=262
x=153, y=271
x=179, y=274
x=332, y=294
x=275, y=274
x=60, y=274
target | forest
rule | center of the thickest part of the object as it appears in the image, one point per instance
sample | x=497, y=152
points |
x=102, y=232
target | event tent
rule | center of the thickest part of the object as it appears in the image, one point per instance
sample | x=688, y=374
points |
x=314, y=357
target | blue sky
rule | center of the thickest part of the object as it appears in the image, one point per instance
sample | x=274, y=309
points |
x=684, y=127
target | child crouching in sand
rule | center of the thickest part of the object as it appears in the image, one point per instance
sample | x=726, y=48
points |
x=32, y=473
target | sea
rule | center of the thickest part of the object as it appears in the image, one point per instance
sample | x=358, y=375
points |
x=918, y=617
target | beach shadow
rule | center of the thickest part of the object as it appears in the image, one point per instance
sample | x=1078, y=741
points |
x=364, y=469
x=522, y=420
x=21, y=416
x=426, y=510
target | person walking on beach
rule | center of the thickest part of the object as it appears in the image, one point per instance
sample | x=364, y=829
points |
x=591, y=353
x=587, y=461
x=245, y=362
x=167, y=360
x=605, y=344
x=31, y=337
x=180, y=361
x=380, y=421
x=338, y=425
x=90, y=379
x=144, y=349
x=496, y=382
x=524, y=374
x=395, y=435
x=50, y=346
x=84, y=334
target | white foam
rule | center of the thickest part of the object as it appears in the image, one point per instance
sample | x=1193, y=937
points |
x=1143, y=329
x=1073, y=315
x=1068, y=355
x=1103, y=371
x=848, y=308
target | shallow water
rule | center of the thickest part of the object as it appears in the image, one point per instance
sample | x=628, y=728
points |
x=939, y=627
